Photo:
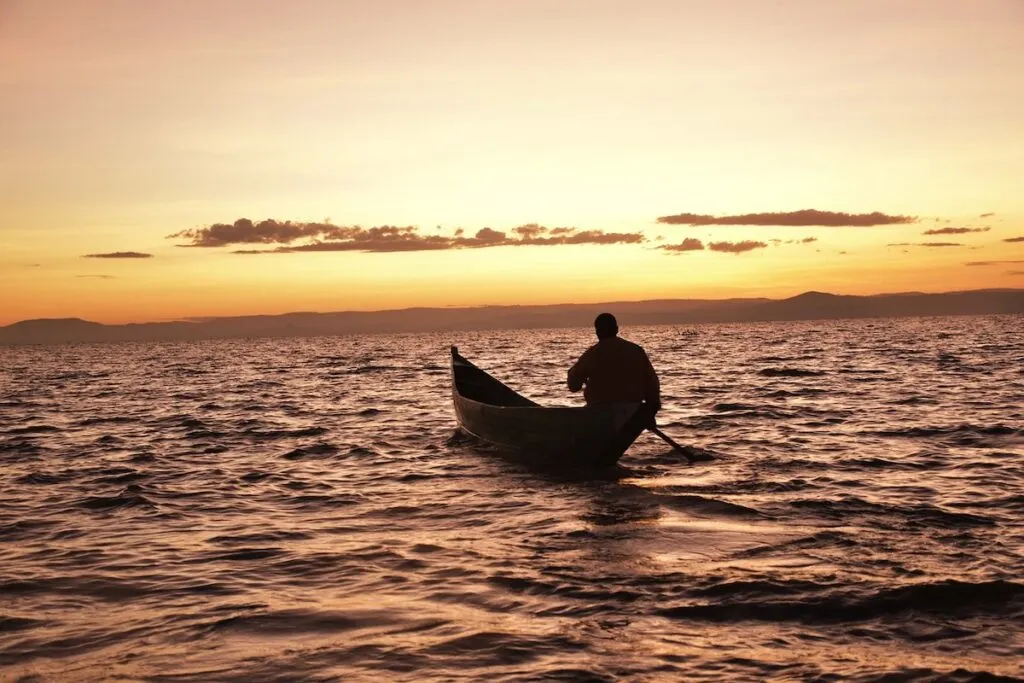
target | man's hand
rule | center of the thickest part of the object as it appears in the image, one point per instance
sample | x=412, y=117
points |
x=653, y=407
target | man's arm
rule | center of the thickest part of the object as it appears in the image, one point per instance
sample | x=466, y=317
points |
x=579, y=373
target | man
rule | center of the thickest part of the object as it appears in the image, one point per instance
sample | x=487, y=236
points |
x=615, y=370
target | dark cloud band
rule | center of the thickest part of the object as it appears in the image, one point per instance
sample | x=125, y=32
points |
x=120, y=254
x=954, y=231
x=325, y=237
x=925, y=244
x=992, y=263
x=736, y=247
x=803, y=218
x=689, y=244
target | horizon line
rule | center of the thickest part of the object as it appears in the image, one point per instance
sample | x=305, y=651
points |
x=204, y=319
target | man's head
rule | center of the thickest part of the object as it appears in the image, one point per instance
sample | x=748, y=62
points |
x=606, y=326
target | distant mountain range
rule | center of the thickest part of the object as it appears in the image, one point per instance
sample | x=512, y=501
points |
x=807, y=306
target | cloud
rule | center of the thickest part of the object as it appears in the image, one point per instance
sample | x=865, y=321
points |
x=954, y=231
x=1014, y=239
x=99, y=277
x=736, y=247
x=1015, y=272
x=803, y=218
x=120, y=254
x=386, y=239
x=529, y=230
x=693, y=244
x=987, y=215
x=689, y=244
x=991, y=263
x=924, y=244
x=244, y=231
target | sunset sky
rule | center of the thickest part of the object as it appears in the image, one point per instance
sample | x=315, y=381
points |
x=388, y=153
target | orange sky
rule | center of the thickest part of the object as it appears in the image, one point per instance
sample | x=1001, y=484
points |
x=124, y=122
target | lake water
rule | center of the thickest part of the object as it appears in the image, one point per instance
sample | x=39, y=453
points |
x=297, y=509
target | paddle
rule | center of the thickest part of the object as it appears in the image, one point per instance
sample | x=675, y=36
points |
x=699, y=457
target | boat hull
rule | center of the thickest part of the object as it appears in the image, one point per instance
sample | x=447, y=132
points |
x=492, y=412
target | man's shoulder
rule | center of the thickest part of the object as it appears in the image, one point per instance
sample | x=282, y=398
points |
x=632, y=346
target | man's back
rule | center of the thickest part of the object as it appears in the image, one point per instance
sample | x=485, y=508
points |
x=615, y=371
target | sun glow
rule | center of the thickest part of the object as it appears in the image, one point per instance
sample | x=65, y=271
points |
x=125, y=127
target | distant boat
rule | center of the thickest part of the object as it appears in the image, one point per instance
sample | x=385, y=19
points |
x=584, y=436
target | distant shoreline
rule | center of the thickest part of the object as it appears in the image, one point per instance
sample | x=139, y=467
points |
x=806, y=306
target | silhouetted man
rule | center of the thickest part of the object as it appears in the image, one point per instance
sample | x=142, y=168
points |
x=615, y=370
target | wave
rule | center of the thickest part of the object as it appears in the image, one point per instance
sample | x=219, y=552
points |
x=916, y=400
x=995, y=430
x=320, y=449
x=22, y=529
x=273, y=434
x=707, y=506
x=289, y=622
x=102, y=420
x=370, y=367
x=18, y=404
x=90, y=586
x=748, y=410
x=949, y=598
x=44, y=478
x=242, y=555
x=761, y=588
x=129, y=498
x=803, y=391
x=33, y=429
x=260, y=537
x=922, y=514
x=879, y=463
x=598, y=593
x=119, y=475
x=323, y=502
x=496, y=649
x=10, y=624
x=990, y=436
x=790, y=372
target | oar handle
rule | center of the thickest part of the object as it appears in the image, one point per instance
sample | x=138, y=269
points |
x=667, y=439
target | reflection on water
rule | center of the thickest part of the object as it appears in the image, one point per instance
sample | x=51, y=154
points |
x=298, y=510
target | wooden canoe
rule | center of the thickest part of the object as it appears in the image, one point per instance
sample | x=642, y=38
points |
x=584, y=436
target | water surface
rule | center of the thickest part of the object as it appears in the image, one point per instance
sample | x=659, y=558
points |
x=296, y=509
